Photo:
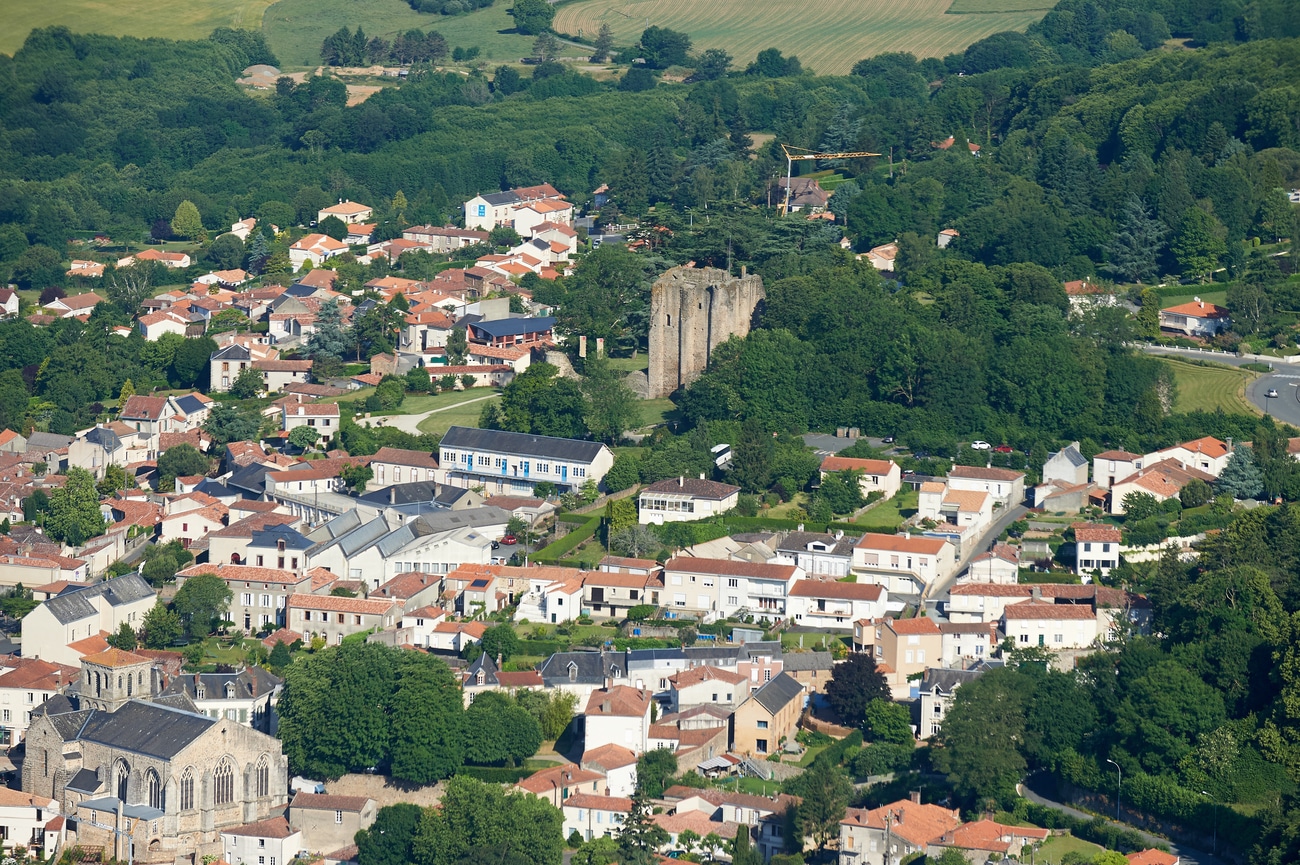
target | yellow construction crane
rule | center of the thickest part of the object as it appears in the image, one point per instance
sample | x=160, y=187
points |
x=806, y=154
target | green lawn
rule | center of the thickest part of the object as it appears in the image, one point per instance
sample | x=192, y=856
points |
x=639, y=361
x=140, y=18
x=1058, y=845
x=1219, y=297
x=462, y=415
x=1211, y=387
x=296, y=28
x=652, y=412
x=888, y=516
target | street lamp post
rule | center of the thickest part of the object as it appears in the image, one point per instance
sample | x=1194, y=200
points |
x=1215, y=841
x=1119, y=789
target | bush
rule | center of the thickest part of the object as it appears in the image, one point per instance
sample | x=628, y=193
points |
x=552, y=553
x=495, y=774
x=881, y=759
x=640, y=612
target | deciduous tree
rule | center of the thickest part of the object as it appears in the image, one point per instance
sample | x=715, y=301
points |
x=853, y=685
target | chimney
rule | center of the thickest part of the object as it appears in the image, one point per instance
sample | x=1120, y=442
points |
x=907, y=536
x=915, y=796
x=301, y=411
x=839, y=534
x=606, y=707
x=1036, y=593
x=681, y=480
x=498, y=660
x=701, y=475
x=1229, y=444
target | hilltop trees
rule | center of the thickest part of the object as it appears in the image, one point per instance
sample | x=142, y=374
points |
x=532, y=16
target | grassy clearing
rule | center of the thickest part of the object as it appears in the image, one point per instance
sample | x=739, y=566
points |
x=889, y=515
x=828, y=36
x=1217, y=297
x=130, y=18
x=1058, y=845
x=296, y=28
x=461, y=415
x=630, y=364
x=652, y=412
x=1211, y=387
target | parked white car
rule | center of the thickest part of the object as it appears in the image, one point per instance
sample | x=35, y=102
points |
x=980, y=445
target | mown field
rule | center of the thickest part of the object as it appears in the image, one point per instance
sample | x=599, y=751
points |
x=828, y=36
x=295, y=28
x=191, y=20
x=984, y=7
x=1211, y=387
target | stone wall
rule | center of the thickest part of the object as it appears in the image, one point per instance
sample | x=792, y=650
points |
x=692, y=311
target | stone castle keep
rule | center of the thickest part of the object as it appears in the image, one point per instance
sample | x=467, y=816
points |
x=692, y=311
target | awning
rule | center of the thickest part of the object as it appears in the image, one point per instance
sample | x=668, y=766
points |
x=108, y=805
x=715, y=763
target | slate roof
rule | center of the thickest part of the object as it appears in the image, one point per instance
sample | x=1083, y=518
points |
x=144, y=728
x=1072, y=454
x=250, y=479
x=778, y=693
x=273, y=535
x=699, y=488
x=79, y=604
x=105, y=438
x=249, y=682
x=946, y=681
x=85, y=781
x=592, y=667
x=44, y=440
x=521, y=444
x=806, y=661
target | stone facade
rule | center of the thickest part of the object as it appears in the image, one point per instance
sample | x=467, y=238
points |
x=692, y=311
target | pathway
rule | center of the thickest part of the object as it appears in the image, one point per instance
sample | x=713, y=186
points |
x=1186, y=855
x=938, y=590
x=411, y=422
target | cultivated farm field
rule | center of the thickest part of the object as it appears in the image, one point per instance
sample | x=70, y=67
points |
x=194, y=19
x=828, y=36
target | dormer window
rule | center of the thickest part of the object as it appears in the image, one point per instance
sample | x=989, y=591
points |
x=279, y=545
x=200, y=692
x=230, y=691
x=573, y=672
x=478, y=679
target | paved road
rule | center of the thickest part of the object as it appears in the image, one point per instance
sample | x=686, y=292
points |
x=938, y=590
x=1186, y=855
x=411, y=422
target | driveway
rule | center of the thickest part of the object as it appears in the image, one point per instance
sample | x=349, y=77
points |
x=1186, y=855
x=938, y=590
x=410, y=423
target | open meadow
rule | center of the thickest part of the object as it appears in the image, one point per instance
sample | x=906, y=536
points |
x=192, y=20
x=828, y=36
x=1211, y=387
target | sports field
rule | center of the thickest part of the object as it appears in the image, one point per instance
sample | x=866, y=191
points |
x=192, y=20
x=828, y=36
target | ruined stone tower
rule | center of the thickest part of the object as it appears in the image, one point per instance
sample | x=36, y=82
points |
x=692, y=311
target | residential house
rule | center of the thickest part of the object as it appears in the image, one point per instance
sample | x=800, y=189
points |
x=762, y=816
x=812, y=670
x=31, y=822
x=594, y=816
x=454, y=637
x=1115, y=609
x=1068, y=465
x=444, y=239
x=904, y=648
x=1163, y=480
x=1006, y=486
x=192, y=524
x=1196, y=318
x=485, y=674
x=969, y=510
x=349, y=212
x=93, y=610
x=726, y=586
x=805, y=193
x=231, y=544
x=228, y=361
x=683, y=500
x=516, y=462
x=618, y=766
x=1049, y=625
x=711, y=686
x=395, y=466
x=821, y=556
x=279, y=374
x=1111, y=466
x=903, y=564
x=25, y=685
x=315, y=248
x=12, y=443
x=1082, y=293
x=938, y=689
x=413, y=589
x=155, y=324
x=103, y=445
x=329, y=822
x=259, y=594
x=247, y=696
x=835, y=605
x=1000, y=564
x=1096, y=548
x=528, y=216
x=266, y=842
x=964, y=643
x=1206, y=454
x=989, y=841
x=322, y=417
x=175, y=260
x=1160, y=857
x=882, y=476
x=557, y=783
x=507, y=332
x=8, y=303
x=333, y=617
x=617, y=715
x=883, y=257
x=766, y=721
x=886, y=835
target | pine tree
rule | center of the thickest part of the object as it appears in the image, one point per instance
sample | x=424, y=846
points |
x=742, y=850
x=1240, y=478
x=640, y=840
x=604, y=44
x=259, y=250
x=661, y=166
x=842, y=132
x=399, y=206
x=1136, y=246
